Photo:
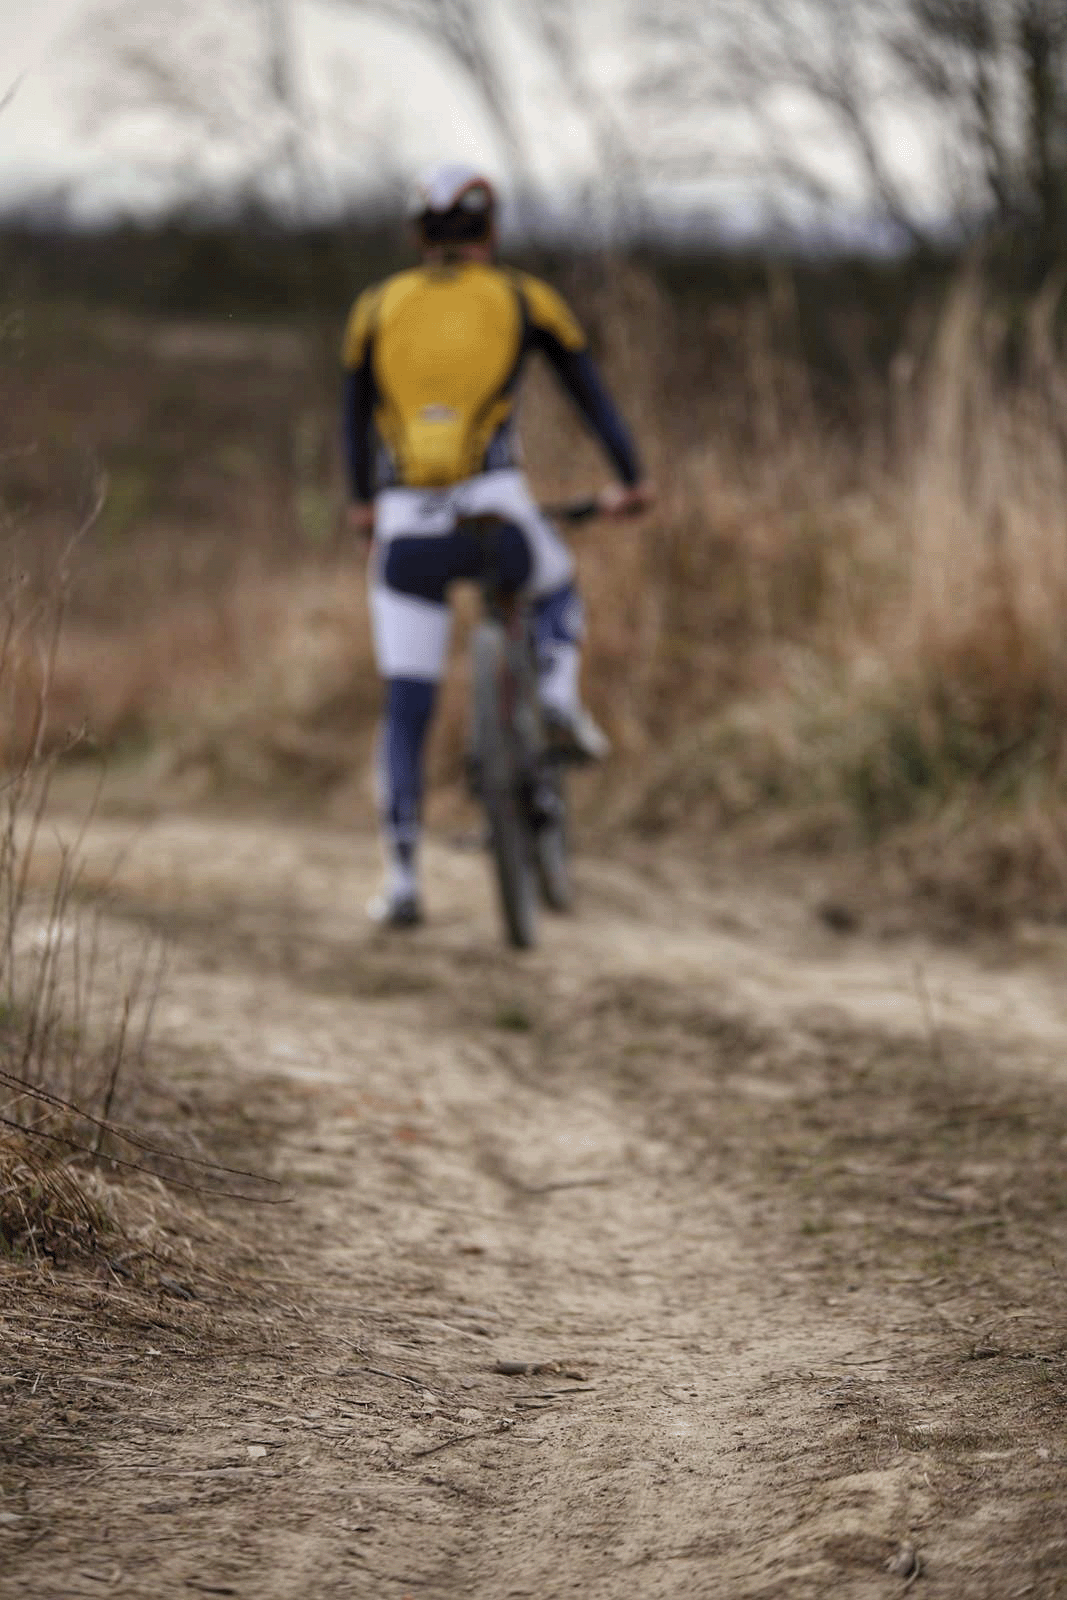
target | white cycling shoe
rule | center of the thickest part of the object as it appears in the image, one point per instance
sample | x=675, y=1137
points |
x=574, y=734
x=395, y=911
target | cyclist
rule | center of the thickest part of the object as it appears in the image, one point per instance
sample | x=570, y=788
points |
x=432, y=359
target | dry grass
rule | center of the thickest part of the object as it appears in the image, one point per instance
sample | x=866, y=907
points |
x=75, y=1004
x=856, y=629
x=58, y=1066
x=862, y=634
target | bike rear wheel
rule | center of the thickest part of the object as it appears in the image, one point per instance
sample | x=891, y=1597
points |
x=500, y=762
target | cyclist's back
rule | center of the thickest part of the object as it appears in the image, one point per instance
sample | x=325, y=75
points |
x=443, y=347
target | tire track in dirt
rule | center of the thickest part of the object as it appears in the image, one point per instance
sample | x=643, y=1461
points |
x=549, y=1159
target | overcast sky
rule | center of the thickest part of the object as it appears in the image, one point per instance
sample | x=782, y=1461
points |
x=383, y=103
x=379, y=104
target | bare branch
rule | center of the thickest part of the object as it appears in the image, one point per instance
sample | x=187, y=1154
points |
x=552, y=22
x=11, y=91
x=987, y=79
x=458, y=29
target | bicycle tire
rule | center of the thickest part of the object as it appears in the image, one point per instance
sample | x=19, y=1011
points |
x=552, y=856
x=498, y=759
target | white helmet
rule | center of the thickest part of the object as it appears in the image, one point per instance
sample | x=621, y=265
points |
x=454, y=204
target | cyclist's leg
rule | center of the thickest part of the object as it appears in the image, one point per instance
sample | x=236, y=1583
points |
x=408, y=710
x=411, y=634
x=559, y=622
x=411, y=630
x=556, y=606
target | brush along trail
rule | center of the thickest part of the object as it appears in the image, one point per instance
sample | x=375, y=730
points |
x=702, y=1252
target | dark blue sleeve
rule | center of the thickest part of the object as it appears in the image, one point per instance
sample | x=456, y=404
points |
x=357, y=422
x=578, y=374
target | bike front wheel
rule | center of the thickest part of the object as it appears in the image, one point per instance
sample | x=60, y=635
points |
x=500, y=760
x=552, y=849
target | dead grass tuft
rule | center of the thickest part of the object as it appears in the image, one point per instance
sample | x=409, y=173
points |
x=75, y=1009
x=46, y=1213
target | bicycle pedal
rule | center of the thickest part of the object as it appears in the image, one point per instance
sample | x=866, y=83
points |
x=574, y=740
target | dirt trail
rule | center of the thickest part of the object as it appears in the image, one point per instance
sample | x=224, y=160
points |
x=749, y=1198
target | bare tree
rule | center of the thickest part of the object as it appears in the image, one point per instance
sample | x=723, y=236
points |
x=222, y=86
x=459, y=29
x=1042, y=43
x=229, y=82
x=794, y=89
x=231, y=90
x=998, y=70
x=229, y=96
x=783, y=97
x=552, y=23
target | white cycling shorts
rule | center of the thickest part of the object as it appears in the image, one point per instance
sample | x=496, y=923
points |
x=411, y=635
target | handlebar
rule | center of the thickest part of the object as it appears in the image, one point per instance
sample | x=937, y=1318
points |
x=563, y=511
x=573, y=510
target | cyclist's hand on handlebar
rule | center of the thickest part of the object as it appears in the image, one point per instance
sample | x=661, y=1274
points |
x=361, y=519
x=625, y=500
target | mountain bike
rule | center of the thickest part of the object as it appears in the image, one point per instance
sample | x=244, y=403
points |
x=515, y=770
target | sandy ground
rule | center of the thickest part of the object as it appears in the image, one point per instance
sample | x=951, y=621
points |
x=772, y=1219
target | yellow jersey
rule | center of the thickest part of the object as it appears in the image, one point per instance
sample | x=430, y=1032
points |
x=433, y=358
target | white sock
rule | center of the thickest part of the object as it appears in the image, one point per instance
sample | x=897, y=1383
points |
x=401, y=882
x=557, y=681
